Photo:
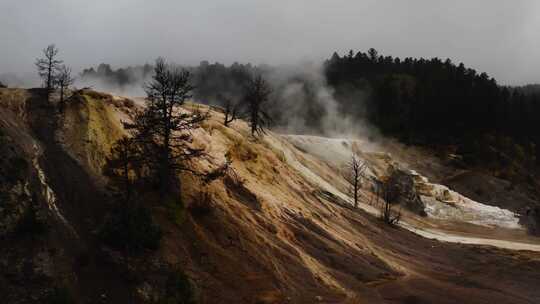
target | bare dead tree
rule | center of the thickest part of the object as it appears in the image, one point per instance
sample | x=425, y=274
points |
x=355, y=173
x=48, y=66
x=390, y=192
x=231, y=110
x=256, y=96
x=64, y=80
x=163, y=128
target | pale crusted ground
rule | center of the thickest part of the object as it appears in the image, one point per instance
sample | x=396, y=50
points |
x=447, y=209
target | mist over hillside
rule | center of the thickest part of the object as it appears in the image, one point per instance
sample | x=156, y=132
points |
x=269, y=152
x=428, y=102
x=415, y=100
x=302, y=101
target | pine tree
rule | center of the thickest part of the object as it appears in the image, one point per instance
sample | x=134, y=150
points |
x=163, y=127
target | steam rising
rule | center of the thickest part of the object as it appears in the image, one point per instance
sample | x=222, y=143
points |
x=302, y=101
x=304, y=86
x=124, y=81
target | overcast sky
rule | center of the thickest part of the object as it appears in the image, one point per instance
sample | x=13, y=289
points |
x=499, y=37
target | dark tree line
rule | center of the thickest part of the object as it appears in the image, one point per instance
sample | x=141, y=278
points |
x=210, y=80
x=214, y=80
x=119, y=77
x=226, y=86
x=438, y=102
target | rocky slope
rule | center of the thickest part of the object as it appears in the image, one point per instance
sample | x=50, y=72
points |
x=276, y=229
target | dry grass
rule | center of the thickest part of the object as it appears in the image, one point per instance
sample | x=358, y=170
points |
x=14, y=100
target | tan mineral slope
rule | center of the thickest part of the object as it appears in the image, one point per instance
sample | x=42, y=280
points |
x=461, y=220
x=280, y=228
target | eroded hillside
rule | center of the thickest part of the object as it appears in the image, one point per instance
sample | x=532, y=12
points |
x=277, y=228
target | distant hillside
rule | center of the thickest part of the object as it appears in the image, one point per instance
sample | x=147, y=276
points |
x=440, y=104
